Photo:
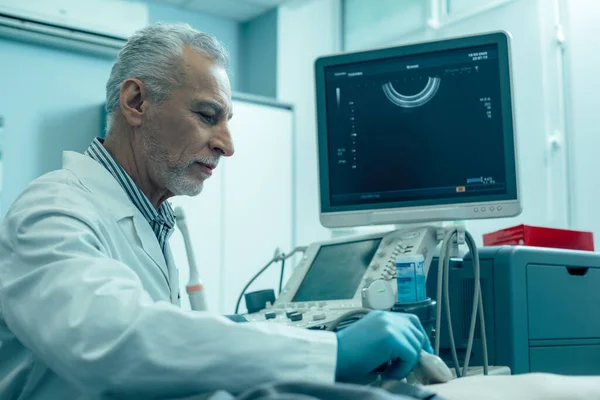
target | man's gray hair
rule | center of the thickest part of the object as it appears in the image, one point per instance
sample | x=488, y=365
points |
x=153, y=55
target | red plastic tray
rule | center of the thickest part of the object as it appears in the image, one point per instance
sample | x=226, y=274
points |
x=537, y=236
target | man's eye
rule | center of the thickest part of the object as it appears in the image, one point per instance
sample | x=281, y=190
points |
x=209, y=119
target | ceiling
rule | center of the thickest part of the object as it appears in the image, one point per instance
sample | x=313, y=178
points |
x=239, y=10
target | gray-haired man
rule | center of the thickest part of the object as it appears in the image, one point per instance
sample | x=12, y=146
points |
x=88, y=288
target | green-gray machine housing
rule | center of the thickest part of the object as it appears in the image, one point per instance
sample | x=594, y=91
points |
x=542, y=309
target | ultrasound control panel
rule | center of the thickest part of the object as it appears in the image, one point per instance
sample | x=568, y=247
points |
x=330, y=278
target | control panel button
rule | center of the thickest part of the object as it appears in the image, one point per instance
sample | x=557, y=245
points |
x=381, y=254
x=270, y=315
x=388, y=240
x=317, y=327
x=296, y=317
x=375, y=266
x=318, y=317
x=289, y=313
x=492, y=208
x=499, y=208
x=483, y=209
x=476, y=209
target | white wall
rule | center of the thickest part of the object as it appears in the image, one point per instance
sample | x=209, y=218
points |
x=306, y=29
x=554, y=93
x=51, y=101
x=583, y=60
x=392, y=18
x=244, y=211
x=538, y=110
x=534, y=77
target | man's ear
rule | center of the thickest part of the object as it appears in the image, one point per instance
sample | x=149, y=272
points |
x=133, y=97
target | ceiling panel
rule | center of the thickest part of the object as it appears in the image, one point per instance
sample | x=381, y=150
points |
x=235, y=9
x=266, y=3
x=172, y=2
x=239, y=10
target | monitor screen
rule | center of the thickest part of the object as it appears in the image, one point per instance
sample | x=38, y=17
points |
x=336, y=271
x=423, y=129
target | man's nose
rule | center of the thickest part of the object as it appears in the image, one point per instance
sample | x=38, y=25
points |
x=222, y=142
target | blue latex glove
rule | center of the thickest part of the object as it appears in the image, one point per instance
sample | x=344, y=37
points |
x=378, y=338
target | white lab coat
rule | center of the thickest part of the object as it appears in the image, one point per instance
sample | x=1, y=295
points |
x=88, y=306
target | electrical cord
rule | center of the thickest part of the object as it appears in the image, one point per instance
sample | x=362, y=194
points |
x=477, y=307
x=237, y=304
x=443, y=277
x=281, y=276
x=438, y=313
x=446, y=296
x=277, y=257
x=357, y=313
x=443, y=286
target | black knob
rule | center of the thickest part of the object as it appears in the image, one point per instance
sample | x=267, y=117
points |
x=270, y=315
x=296, y=317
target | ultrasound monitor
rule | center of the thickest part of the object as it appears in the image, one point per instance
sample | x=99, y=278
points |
x=417, y=133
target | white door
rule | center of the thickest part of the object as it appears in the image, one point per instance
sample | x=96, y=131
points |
x=205, y=224
x=257, y=202
x=245, y=210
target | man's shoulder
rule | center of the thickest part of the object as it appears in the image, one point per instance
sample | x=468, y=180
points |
x=83, y=189
x=64, y=178
x=56, y=190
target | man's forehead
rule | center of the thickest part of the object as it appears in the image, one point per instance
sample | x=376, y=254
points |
x=207, y=80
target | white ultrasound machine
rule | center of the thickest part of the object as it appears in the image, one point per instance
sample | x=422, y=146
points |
x=412, y=134
x=337, y=276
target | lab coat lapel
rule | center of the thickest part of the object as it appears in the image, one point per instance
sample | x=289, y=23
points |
x=100, y=182
x=173, y=277
x=150, y=243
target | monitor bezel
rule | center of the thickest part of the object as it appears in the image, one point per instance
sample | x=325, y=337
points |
x=347, y=216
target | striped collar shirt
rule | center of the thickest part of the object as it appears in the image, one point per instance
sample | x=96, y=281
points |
x=161, y=221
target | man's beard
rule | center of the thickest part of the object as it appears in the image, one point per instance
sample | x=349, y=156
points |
x=172, y=174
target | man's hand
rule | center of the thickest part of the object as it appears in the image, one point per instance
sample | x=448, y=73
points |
x=378, y=338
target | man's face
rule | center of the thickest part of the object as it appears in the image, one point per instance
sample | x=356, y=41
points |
x=185, y=136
